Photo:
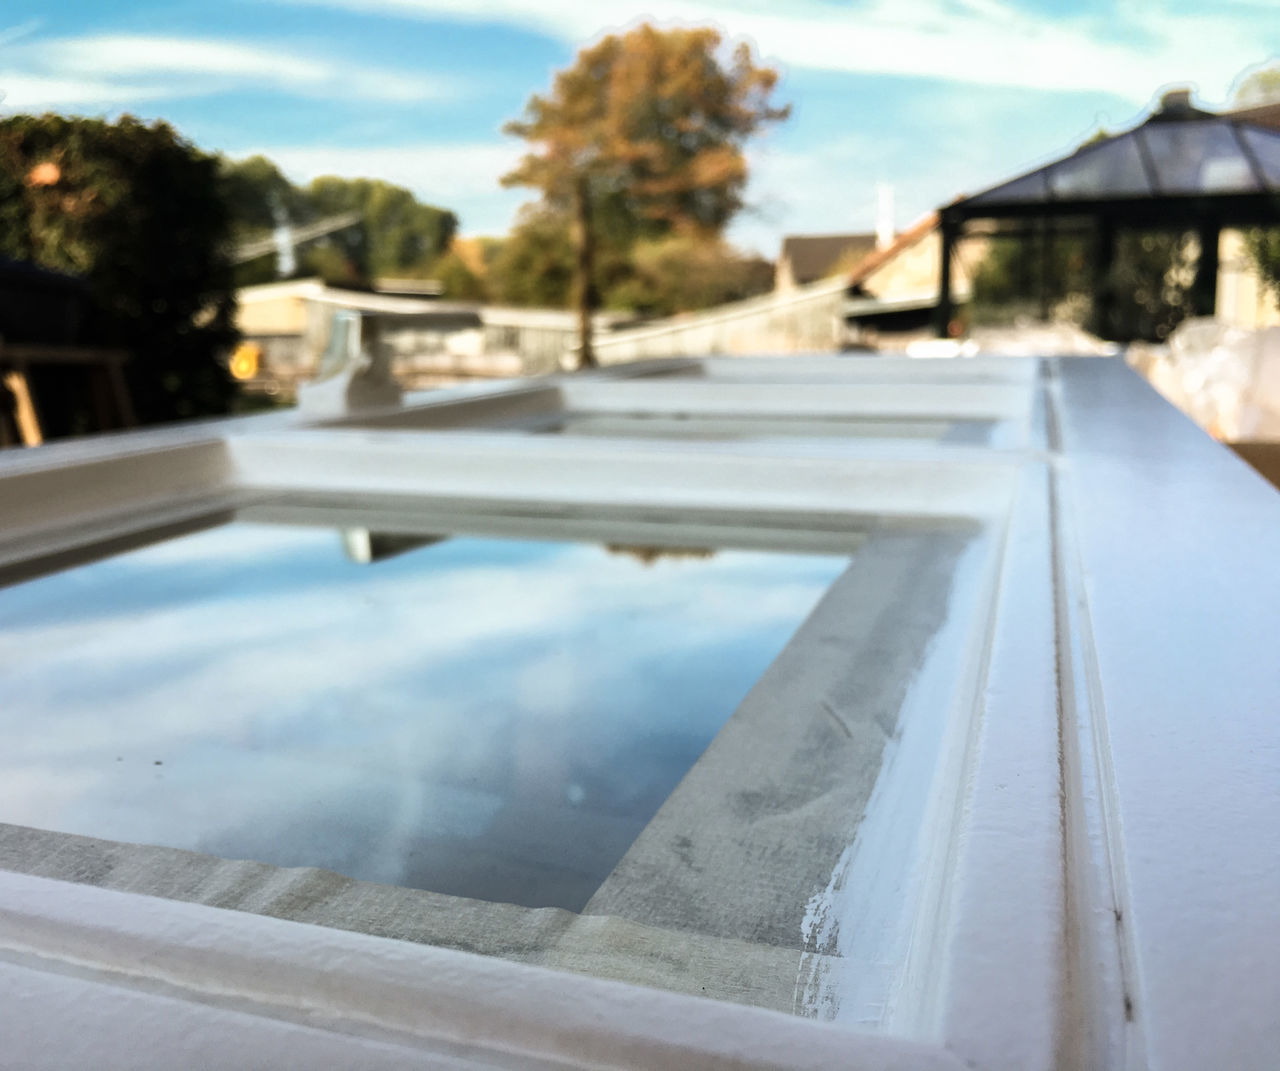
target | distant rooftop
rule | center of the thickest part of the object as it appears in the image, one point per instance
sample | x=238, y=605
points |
x=815, y=256
x=409, y=287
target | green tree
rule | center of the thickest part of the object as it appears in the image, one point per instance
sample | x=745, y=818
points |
x=1019, y=275
x=1262, y=86
x=258, y=196
x=140, y=213
x=256, y=190
x=403, y=236
x=534, y=264
x=1150, y=282
x=682, y=273
x=399, y=235
x=459, y=281
x=1263, y=244
x=641, y=138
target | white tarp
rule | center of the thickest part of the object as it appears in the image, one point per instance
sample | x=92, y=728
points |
x=1225, y=378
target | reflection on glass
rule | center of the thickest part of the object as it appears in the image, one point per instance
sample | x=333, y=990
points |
x=1111, y=169
x=647, y=555
x=366, y=547
x=1198, y=157
x=704, y=426
x=488, y=718
x=1264, y=145
x=1031, y=187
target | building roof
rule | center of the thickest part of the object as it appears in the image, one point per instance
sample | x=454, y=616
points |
x=1267, y=115
x=815, y=256
x=398, y=287
x=1179, y=152
x=904, y=240
x=358, y=300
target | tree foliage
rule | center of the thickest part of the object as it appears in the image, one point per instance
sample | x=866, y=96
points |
x=1018, y=274
x=139, y=213
x=399, y=236
x=1260, y=86
x=1149, y=284
x=643, y=138
x=403, y=236
x=655, y=276
x=1263, y=244
x=460, y=283
x=257, y=193
x=534, y=265
x=682, y=273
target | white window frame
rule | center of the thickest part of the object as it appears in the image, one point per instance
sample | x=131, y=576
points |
x=1096, y=873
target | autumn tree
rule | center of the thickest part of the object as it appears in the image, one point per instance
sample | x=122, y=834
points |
x=643, y=138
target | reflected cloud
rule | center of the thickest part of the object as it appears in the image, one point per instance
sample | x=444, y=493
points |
x=529, y=704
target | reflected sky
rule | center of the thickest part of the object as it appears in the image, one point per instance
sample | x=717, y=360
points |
x=488, y=718
x=714, y=426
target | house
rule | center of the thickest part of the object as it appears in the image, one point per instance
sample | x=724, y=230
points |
x=808, y=258
x=289, y=324
x=892, y=293
x=431, y=341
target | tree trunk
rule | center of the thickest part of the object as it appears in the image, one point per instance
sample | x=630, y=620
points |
x=584, y=256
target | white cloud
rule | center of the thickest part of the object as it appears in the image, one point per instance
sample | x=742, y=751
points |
x=461, y=176
x=35, y=92
x=983, y=42
x=111, y=69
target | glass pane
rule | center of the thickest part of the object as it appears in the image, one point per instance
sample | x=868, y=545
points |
x=1265, y=146
x=1197, y=157
x=1111, y=169
x=715, y=427
x=1031, y=187
x=494, y=719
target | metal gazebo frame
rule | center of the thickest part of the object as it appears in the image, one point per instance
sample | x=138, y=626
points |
x=1182, y=169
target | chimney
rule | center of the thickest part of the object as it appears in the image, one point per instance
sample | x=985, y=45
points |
x=1176, y=102
x=885, y=231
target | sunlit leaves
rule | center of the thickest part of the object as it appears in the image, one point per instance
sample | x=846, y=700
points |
x=656, y=116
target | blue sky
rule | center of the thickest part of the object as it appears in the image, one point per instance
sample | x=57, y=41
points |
x=935, y=97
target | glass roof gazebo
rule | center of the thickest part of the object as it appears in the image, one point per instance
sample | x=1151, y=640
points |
x=1182, y=169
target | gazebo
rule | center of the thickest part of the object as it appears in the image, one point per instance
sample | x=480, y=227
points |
x=1182, y=169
